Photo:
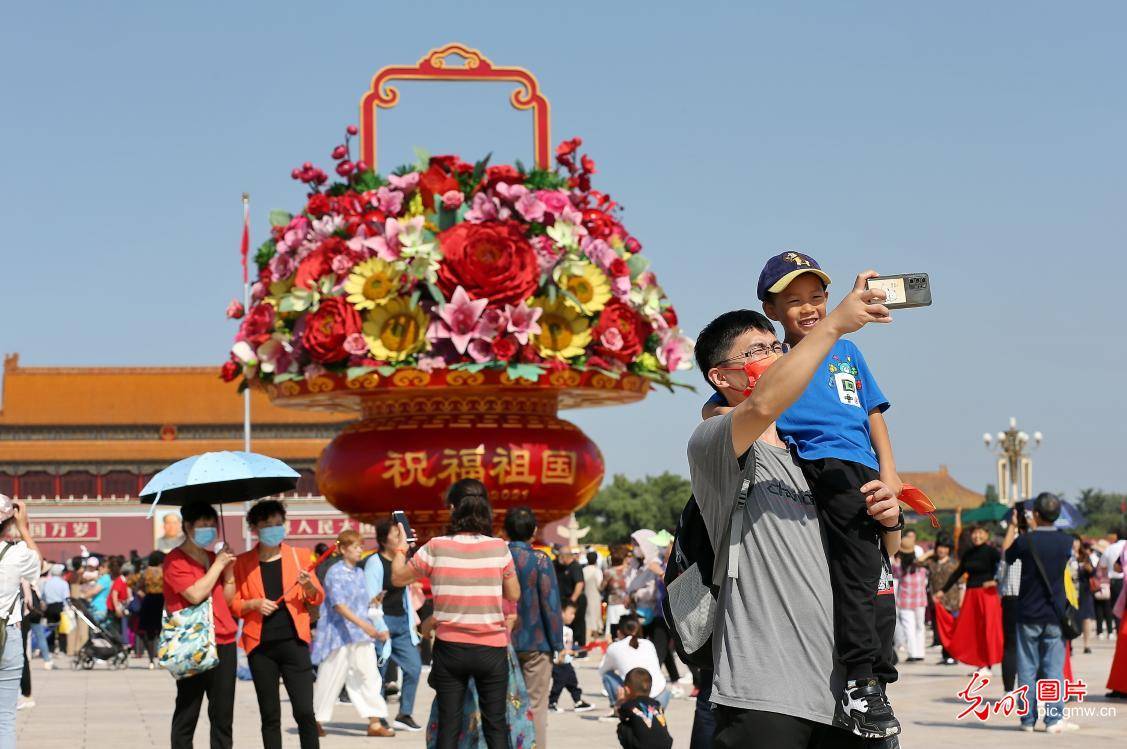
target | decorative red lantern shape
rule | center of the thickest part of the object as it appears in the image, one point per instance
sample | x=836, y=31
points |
x=420, y=432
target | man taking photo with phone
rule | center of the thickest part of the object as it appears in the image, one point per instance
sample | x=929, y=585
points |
x=774, y=685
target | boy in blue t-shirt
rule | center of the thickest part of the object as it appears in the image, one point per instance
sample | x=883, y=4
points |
x=838, y=433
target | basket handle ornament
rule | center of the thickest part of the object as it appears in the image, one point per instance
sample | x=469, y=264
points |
x=474, y=66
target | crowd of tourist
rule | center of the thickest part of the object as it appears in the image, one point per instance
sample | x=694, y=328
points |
x=508, y=621
x=499, y=661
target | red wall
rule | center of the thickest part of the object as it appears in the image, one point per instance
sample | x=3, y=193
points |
x=121, y=534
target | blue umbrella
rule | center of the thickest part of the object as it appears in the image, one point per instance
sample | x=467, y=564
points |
x=218, y=478
x=1070, y=516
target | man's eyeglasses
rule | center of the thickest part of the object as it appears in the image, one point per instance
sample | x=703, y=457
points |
x=759, y=351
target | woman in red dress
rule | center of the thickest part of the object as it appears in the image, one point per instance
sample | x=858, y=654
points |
x=975, y=636
x=1117, y=679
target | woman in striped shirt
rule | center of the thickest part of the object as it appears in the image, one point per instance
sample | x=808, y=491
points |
x=471, y=574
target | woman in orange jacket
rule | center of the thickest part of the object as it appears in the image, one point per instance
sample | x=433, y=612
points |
x=276, y=636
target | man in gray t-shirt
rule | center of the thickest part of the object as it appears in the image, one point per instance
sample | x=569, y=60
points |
x=773, y=642
x=783, y=585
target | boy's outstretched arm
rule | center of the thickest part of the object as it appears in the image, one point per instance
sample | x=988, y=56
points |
x=882, y=445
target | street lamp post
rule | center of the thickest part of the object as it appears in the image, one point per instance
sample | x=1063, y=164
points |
x=1015, y=467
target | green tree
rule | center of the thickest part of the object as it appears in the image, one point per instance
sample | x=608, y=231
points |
x=1103, y=511
x=624, y=505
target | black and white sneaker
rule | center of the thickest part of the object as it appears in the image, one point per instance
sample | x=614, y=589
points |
x=582, y=706
x=554, y=708
x=406, y=723
x=864, y=710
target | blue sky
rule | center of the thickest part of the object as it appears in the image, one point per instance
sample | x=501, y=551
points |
x=982, y=143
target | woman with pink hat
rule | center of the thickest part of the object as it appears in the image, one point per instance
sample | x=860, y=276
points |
x=19, y=564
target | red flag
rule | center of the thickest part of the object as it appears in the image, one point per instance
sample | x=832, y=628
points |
x=245, y=247
x=919, y=502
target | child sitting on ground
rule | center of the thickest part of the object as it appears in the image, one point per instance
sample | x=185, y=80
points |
x=563, y=673
x=641, y=719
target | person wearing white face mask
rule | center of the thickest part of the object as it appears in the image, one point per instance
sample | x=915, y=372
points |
x=192, y=575
x=272, y=591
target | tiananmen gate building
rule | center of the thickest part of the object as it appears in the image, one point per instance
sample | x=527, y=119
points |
x=79, y=443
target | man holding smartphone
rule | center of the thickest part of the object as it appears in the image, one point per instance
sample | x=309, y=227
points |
x=772, y=686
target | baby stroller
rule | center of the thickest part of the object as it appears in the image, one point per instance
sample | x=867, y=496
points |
x=104, y=643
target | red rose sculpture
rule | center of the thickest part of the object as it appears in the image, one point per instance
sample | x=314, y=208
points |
x=327, y=328
x=318, y=263
x=230, y=370
x=491, y=260
x=319, y=204
x=495, y=175
x=257, y=325
x=621, y=332
x=598, y=223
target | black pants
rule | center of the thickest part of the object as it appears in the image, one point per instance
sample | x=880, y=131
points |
x=563, y=677
x=218, y=685
x=288, y=659
x=1009, y=642
x=1114, y=624
x=25, y=675
x=455, y=663
x=579, y=631
x=704, y=722
x=1104, y=616
x=855, y=558
x=885, y=666
x=657, y=632
x=148, y=642
x=752, y=729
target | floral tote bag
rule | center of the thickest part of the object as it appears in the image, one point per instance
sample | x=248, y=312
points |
x=187, y=641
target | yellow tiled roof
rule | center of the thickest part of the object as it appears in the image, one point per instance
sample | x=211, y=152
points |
x=97, y=396
x=943, y=490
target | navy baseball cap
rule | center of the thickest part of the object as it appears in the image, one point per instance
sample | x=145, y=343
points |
x=782, y=269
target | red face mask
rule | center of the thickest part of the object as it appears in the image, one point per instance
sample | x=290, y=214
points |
x=754, y=370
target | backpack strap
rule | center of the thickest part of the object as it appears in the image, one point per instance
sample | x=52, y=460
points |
x=736, y=527
x=736, y=521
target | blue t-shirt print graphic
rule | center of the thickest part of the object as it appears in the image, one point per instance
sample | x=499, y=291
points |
x=831, y=418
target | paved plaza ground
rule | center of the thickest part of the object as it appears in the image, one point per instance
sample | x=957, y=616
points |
x=103, y=709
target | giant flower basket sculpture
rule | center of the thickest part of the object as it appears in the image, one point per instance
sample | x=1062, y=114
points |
x=456, y=307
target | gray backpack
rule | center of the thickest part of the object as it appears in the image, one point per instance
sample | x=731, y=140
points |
x=690, y=600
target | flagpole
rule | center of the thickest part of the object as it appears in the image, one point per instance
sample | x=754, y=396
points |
x=245, y=248
x=246, y=306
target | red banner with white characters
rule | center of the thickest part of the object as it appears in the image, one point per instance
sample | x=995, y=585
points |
x=322, y=528
x=66, y=529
